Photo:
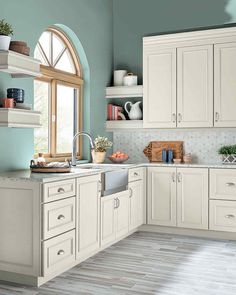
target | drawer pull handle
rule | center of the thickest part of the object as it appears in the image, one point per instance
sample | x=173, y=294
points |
x=61, y=217
x=60, y=252
x=61, y=190
x=230, y=184
x=135, y=173
x=130, y=192
x=230, y=216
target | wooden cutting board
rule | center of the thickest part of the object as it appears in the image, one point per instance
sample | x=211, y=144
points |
x=154, y=150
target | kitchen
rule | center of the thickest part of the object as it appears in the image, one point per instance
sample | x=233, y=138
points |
x=153, y=89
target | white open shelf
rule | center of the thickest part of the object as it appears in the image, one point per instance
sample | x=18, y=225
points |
x=123, y=124
x=124, y=91
x=19, y=65
x=19, y=118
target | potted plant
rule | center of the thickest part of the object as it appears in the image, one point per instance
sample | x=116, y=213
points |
x=101, y=144
x=5, y=35
x=228, y=154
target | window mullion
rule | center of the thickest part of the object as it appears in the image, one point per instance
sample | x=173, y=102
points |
x=53, y=118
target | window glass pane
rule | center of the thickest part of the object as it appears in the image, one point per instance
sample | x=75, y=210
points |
x=41, y=103
x=65, y=63
x=58, y=46
x=38, y=55
x=45, y=42
x=65, y=118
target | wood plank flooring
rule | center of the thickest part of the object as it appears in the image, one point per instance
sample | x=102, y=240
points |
x=148, y=263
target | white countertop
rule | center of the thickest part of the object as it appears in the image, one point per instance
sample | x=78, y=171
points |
x=26, y=175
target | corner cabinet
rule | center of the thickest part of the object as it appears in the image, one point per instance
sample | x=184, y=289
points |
x=159, y=87
x=178, y=197
x=189, y=79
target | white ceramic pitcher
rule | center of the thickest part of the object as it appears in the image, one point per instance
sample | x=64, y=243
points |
x=135, y=112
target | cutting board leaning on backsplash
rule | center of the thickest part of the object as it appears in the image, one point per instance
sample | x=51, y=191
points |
x=154, y=150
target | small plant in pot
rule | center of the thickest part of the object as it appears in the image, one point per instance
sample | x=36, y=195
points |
x=6, y=32
x=102, y=144
x=228, y=154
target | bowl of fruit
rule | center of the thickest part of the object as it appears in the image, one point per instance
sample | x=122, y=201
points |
x=118, y=157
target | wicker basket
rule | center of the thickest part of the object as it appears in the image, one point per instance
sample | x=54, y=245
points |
x=228, y=159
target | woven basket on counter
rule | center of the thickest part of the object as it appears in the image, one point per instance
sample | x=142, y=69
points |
x=228, y=159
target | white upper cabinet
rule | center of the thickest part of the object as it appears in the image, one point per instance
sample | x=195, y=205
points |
x=159, y=109
x=195, y=86
x=225, y=85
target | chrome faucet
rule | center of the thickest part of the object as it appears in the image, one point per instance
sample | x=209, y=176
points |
x=73, y=160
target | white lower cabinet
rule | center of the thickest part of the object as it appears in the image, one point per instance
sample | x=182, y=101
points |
x=114, y=217
x=161, y=194
x=136, y=204
x=192, y=198
x=88, y=216
x=178, y=197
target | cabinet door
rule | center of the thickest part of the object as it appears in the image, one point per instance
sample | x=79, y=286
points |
x=224, y=85
x=108, y=205
x=88, y=215
x=162, y=196
x=122, y=214
x=195, y=86
x=192, y=198
x=159, y=82
x=136, y=204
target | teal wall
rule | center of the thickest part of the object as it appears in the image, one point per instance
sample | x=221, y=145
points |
x=91, y=21
x=134, y=19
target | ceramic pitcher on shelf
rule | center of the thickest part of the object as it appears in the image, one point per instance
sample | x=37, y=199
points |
x=135, y=112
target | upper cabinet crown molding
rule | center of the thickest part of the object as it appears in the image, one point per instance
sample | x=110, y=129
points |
x=206, y=36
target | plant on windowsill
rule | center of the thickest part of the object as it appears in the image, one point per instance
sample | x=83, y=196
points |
x=101, y=144
x=228, y=154
x=5, y=35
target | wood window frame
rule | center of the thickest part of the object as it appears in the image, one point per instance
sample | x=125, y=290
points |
x=54, y=77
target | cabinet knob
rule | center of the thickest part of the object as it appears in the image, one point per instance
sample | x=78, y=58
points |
x=61, y=190
x=60, y=252
x=179, y=177
x=173, y=177
x=217, y=116
x=135, y=173
x=61, y=217
x=230, y=216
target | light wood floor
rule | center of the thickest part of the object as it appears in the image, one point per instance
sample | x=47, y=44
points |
x=148, y=263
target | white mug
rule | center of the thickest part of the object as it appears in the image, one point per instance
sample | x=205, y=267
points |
x=118, y=77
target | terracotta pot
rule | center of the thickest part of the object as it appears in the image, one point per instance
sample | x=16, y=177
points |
x=99, y=157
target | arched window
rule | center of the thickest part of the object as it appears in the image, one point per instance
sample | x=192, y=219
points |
x=57, y=95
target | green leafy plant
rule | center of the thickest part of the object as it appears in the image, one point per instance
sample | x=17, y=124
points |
x=5, y=28
x=227, y=150
x=102, y=144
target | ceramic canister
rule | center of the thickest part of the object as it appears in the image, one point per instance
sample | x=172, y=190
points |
x=130, y=80
x=118, y=77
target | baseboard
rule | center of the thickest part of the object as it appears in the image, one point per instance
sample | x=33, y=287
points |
x=189, y=232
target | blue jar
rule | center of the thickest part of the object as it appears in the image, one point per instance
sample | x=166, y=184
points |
x=170, y=156
x=164, y=156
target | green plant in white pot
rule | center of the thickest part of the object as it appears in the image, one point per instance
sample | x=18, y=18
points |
x=228, y=154
x=6, y=32
x=101, y=144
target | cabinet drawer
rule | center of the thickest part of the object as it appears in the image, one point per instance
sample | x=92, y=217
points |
x=58, y=253
x=223, y=215
x=223, y=184
x=135, y=174
x=58, y=190
x=58, y=217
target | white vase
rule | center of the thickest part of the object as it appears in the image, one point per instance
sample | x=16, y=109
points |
x=99, y=157
x=4, y=42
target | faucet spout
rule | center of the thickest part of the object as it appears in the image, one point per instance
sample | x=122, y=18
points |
x=73, y=160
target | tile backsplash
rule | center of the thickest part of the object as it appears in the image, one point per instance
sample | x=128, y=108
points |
x=202, y=143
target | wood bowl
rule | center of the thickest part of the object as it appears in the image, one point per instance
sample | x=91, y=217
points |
x=118, y=160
